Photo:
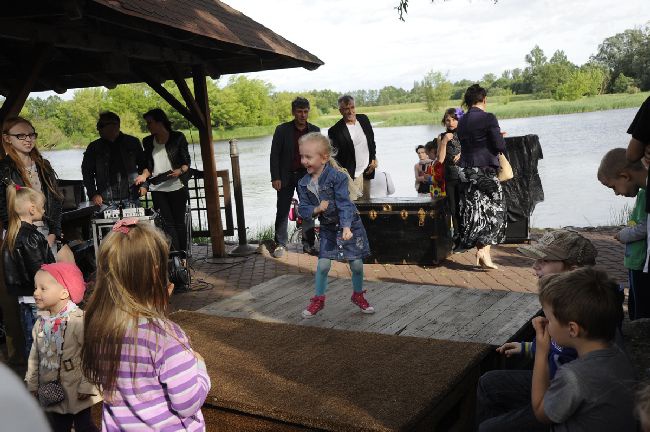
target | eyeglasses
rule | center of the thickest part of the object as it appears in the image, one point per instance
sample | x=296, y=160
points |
x=24, y=137
x=103, y=125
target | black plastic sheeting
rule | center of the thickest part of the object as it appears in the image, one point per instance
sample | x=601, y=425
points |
x=524, y=191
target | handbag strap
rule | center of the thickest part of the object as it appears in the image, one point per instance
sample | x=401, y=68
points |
x=38, y=354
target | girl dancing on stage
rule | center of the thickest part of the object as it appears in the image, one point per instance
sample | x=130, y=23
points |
x=324, y=192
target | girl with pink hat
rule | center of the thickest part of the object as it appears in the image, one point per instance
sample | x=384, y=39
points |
x=54, y=372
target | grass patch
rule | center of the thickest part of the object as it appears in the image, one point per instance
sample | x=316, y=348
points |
x=413, y=114
x=263, y=233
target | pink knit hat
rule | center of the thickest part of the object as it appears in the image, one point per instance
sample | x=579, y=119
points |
x=68, y=275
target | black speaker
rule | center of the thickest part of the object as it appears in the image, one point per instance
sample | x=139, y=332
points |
x=517, y=231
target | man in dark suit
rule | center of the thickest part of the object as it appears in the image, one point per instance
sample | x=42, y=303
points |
x=286, y=170
x=354, y=141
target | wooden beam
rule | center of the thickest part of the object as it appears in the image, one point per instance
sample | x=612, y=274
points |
x=73, y=9
x=169, y=98
x=18, y=95
x=209, y=165
x=186, y=93
x=85, y=40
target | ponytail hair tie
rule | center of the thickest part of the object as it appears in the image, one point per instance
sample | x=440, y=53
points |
x=18, y=187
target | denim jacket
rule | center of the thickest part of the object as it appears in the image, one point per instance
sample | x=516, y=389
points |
x=332, y=187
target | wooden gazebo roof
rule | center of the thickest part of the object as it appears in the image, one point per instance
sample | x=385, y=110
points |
x=63, y=44
x=87, y=43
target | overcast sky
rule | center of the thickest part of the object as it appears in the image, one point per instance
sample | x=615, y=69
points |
x=364, y=45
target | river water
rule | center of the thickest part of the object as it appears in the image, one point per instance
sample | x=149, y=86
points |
x=572, y=144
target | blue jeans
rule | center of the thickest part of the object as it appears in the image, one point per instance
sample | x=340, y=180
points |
x=28, y=315
x=282, y=214
x=503, y=402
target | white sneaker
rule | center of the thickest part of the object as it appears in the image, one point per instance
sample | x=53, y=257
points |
x=279, y=252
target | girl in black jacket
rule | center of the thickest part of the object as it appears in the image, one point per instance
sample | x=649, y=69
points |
x=24, y=250
x=167, y=159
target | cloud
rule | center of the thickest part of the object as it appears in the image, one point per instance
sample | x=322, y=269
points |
x=364, y=45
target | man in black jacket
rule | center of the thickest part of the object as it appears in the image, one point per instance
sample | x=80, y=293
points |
x=354, y=141
x=286, y=170
x=111, y=163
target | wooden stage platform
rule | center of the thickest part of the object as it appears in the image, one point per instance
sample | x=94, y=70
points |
x=424, y=349
x=429, y=311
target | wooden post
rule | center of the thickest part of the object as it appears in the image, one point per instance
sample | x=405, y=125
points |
x=209, y=165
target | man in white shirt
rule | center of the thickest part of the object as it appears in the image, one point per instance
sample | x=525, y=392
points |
x=354, y=142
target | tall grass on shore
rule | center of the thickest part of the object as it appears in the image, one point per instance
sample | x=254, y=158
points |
x=621, y=216
x=413, y=114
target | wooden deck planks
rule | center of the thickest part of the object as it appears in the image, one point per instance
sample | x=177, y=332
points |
x=429, y=311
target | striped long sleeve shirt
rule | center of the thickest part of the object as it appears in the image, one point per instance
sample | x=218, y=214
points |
x=161, y=385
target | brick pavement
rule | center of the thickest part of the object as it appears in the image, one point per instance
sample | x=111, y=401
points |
x=218, y=278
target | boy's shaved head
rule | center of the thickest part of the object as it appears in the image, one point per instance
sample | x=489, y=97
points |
x=614, y=163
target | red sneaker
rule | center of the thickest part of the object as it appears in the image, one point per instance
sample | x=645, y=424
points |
x=359, y=300
x=317, y=303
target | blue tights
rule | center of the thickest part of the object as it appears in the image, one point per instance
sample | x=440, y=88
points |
x=323, y=268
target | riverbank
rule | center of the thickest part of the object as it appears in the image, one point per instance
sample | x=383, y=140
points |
x=412, y=114
x=519, y=106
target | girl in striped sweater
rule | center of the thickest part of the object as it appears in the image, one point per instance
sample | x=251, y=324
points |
x=152, y=379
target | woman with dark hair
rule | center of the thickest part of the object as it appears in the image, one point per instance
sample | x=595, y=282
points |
x=482, y=206
x=420, y=169
x=448, y=155
x=167, y=159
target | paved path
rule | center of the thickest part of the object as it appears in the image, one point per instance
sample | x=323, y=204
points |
x=218, y=278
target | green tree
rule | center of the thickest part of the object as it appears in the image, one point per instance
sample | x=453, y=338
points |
x=133, y=100
x=390, y=95
x=38, y=108
x=488, y=79
x=559, y=57
x=324, y=100
x=242, y=102
x=437, y=90
x=588, y=80
x=622, y=84
x=535, y=58
x=79, y=115
x=627, y=53
x=595, y=79
x=282, y=106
